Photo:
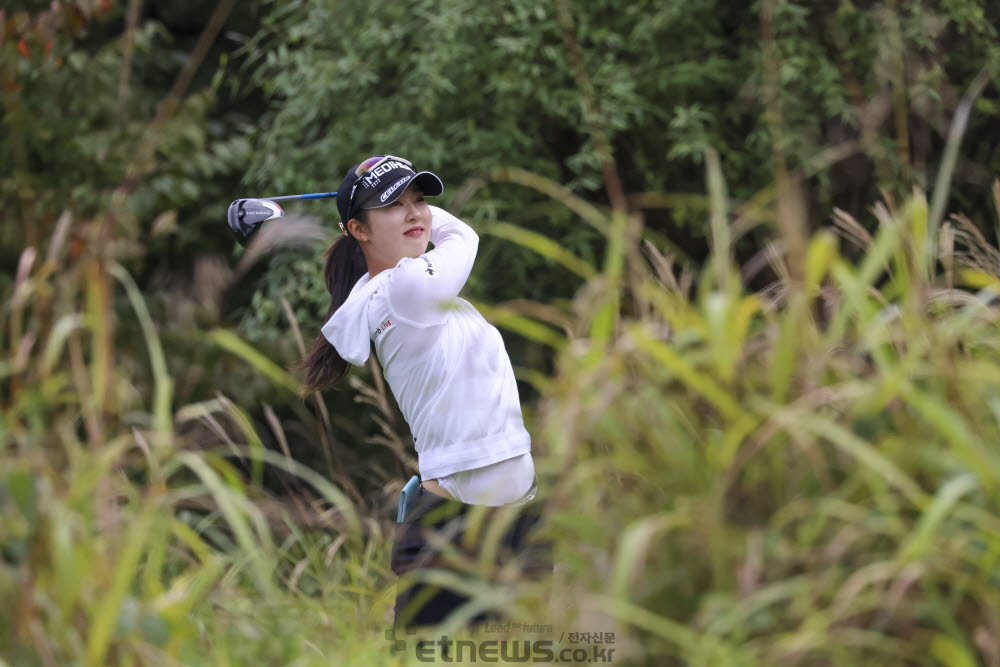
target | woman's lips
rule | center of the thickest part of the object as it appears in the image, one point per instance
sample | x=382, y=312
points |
x=415, y=231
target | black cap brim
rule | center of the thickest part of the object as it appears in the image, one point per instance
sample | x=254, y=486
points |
x=427, y=181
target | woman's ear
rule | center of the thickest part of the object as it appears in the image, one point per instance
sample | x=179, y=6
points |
x=357, y=229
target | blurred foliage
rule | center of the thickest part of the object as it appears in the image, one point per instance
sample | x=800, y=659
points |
x=866, y=92
x=762, y=397
x=74, y=125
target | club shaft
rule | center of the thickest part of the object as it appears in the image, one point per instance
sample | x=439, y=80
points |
x=313, y=195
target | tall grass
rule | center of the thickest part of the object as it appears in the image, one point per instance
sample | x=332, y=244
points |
x=128, y=537
x=806, y=474
x=803, y=475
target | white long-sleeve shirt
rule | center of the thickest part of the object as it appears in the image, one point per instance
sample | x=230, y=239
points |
x=446, y=365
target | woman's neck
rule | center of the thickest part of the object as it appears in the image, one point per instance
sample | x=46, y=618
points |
x=378, y=263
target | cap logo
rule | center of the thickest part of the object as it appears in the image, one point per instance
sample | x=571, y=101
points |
x=392, y=188
x=371, y=179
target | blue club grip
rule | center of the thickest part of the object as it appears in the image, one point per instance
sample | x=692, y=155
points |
x=406, y=498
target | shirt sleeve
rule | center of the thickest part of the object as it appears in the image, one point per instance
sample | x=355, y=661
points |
x=419, y=289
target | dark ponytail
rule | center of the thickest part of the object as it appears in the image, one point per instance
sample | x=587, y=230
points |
x=345, y=264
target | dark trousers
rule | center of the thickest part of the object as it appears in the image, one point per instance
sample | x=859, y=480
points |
x=420, y=603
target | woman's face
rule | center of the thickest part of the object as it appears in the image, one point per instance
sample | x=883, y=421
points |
x=401, y=229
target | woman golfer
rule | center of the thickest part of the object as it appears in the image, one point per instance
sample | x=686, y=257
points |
x=445, y=364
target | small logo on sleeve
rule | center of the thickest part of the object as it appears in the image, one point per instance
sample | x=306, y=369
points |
x=430, y=266
x=382, y=327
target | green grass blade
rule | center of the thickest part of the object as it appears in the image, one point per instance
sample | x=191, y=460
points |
x=164, y=384
x=542, y=245
x=239, y=513
x=229, y=341
x=935, y=514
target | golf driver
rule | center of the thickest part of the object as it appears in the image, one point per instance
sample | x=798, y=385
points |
x=245, y=216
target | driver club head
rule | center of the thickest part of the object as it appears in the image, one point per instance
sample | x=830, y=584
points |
x=245, y=217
